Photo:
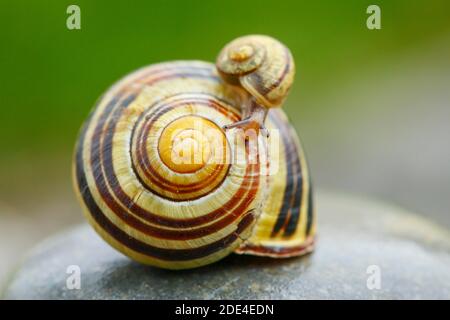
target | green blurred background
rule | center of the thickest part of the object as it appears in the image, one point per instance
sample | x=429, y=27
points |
x=371, y=106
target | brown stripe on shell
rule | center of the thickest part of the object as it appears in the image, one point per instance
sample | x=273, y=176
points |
x=286, y=70
x=279, y=251
x=263, y=90
x=288, y=217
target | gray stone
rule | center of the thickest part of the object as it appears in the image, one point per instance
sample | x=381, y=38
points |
x=412, y=255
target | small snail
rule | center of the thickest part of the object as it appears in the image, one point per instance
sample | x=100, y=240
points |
x=165, y=175
x=264, y=68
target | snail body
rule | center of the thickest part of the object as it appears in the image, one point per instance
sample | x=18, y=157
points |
x=162, y=182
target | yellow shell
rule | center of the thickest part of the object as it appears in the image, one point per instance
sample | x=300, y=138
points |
x=162, y=182
x=261, y=65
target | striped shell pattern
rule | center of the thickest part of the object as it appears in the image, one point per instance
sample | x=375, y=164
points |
x=178, y=215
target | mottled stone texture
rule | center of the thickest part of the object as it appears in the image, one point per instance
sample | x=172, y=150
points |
x=413, y=256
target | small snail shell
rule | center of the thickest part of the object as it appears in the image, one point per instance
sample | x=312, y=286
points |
x=183, y=214
x=261, y=65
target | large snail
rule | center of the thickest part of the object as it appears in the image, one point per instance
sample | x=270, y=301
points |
x=167, y=173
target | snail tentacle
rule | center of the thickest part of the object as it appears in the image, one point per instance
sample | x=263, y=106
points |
x=254, y=118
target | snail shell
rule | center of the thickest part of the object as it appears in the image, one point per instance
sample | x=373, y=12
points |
x=261, y=65
x=185, y=214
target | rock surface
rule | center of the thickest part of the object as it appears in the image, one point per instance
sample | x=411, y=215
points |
x=358, y=240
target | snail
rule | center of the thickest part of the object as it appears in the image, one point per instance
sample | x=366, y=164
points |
x=264, y=68
x=167, y=174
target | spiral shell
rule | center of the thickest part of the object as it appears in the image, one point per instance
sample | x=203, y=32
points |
x=178, y=215
x=261, y=65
